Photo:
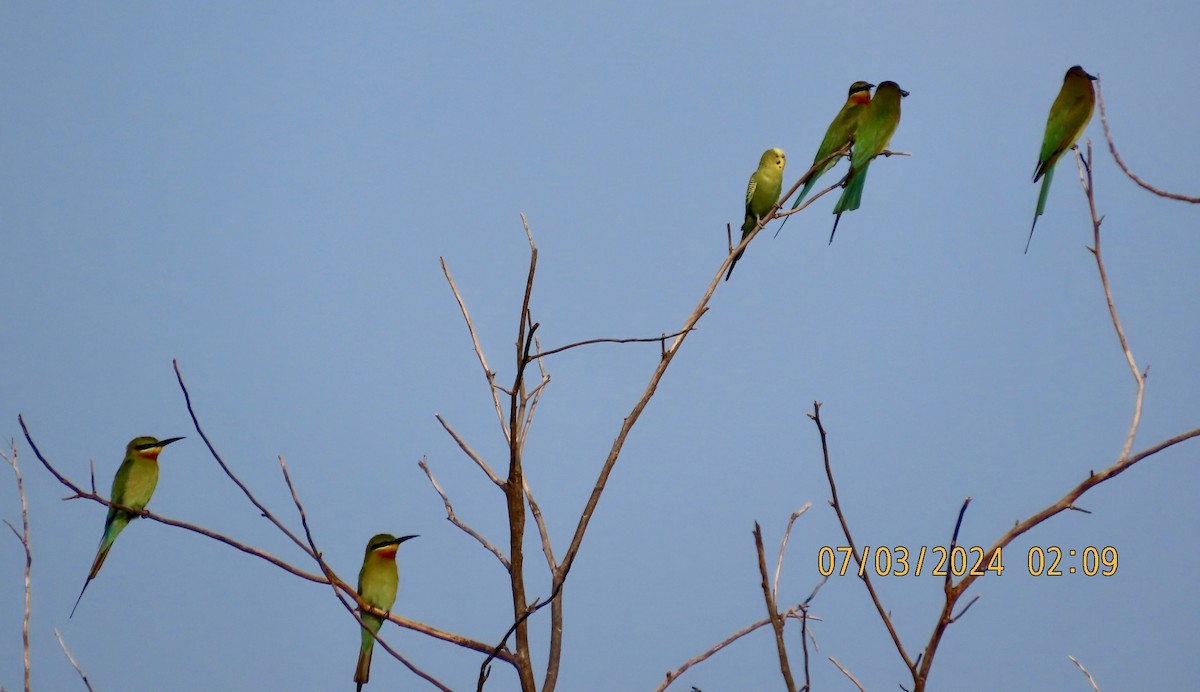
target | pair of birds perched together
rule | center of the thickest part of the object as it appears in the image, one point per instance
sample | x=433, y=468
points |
x=866, y=125
x=133, y=486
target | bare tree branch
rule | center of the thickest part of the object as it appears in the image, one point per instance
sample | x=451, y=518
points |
x=514, y=485
x=783, y=543
x=23, y=537
x=534, y=398
x=540, y=521
x=845, y=672
x=954, y=536
x=773, y=612
x=538, y=604
x=266, y=513
x=74, y=664
x=864, y=574
x=588, y=342
x=673, y=675
x=453, y=518
x=1138, y=377
x=466, y=448
x=1085, y=672
x=804, y=633
x=488, y=373
x=535, y=395
x=1117, y=157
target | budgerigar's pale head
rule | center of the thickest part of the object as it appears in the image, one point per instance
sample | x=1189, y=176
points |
x=773, y=158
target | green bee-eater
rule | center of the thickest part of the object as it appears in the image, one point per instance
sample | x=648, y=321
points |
x=1068, y=117
x=132, y=487
x=761, y=194
x=377, y=583
x=875, y=129
x=840, y=133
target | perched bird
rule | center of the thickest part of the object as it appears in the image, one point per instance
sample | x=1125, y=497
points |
x=840, y=133
x=875, y=129
x=377, y=583
x=132, y=487
x=1068, y=117
x=761, y=194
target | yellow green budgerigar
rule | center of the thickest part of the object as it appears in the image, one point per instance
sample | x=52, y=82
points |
x=761, y=194
x=840, y=133
x=1069, y=116
x=875, y=130
x=132, y=487
x=378, y=581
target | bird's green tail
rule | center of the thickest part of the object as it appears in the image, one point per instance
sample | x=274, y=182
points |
x=1041, y=206
x=117, y=521
x=362, y=672
x=852, y=196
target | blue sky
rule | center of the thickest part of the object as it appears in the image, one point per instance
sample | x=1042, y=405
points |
x=263, y=192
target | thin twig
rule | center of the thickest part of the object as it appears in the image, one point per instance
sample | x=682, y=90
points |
x=534, y=607
x=773, y=612
x=487, y=371
x=1085, y=672
x=788, y=214
x=864, y=574
x=535, y=395
x=962, y=511
x=847, y=674
x=266, y=513
x=787, y=532
x=668, y=354
x=955, y=618
x=540, y=521
x=453, y=518
x=23, y=537
x=673, y=675
x=74, y=664
x=466, y=448
x=1117, y=157
x=588, y=342
x=1140, y=380
x=534, y=398
x=804, y=633
x=812, y=170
